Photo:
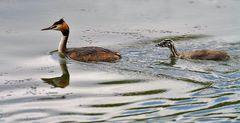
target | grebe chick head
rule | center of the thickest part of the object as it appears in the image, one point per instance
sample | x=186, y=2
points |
x=60, y=25
x=170, y=44
x=166, y=43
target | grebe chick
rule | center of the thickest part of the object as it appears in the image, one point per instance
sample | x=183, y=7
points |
x=197, y=54
x=85, y=54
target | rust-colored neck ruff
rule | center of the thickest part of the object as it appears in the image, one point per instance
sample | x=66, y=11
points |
x=62, y=47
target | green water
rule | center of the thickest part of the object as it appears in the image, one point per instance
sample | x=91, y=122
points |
x=36, y=85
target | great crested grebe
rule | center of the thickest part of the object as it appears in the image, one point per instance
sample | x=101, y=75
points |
x=197, y=54
x=85, y=54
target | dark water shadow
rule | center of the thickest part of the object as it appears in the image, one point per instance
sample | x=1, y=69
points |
x=147, y=92
x=127, y=81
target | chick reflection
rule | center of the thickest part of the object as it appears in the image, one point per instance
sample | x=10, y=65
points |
x=172, y=62
x=61, y=81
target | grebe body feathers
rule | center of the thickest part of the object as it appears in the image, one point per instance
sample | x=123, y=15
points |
x=85, y=54
x=197, y=54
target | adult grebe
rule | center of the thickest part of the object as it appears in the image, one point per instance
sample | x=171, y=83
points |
x=85, y=54
x=198, y=54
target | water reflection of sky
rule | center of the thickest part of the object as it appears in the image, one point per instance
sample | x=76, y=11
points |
x=144, y=85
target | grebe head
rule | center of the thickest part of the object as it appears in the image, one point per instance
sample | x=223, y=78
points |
x=166, y=43
x=60, y=25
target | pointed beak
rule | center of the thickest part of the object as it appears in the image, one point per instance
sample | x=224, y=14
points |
x=49, y=28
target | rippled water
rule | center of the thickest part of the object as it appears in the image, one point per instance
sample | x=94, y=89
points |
x=36, y=85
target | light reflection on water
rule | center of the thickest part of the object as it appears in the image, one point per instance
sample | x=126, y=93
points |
x=146, y=85
x=194, y=94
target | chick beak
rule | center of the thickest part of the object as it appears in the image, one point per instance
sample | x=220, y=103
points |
x=49, y=28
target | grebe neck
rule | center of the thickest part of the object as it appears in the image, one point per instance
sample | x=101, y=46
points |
x=174, y=52
x=62, y=47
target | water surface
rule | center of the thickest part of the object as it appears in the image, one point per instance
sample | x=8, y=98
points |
x=145, y=85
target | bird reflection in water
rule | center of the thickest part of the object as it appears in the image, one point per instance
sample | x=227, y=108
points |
x=63, y=80
x=172, y=62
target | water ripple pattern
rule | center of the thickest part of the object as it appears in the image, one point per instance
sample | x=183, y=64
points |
x=144, y=86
